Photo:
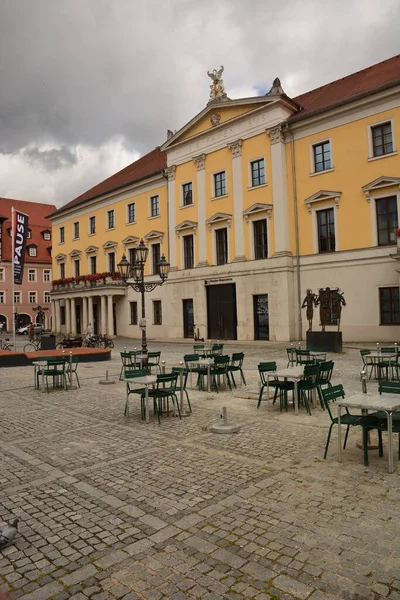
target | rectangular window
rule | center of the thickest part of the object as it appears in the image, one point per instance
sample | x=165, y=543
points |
x=93, y=264
x=260, y=239
x=2, y=274
x=76, y=230
x=387, y=220
x=157, y=312
x=46, y=275
x=187, y=194
x=221, y=243
x=17, y=297
x=132, y=255
x=155, y=206
x=61, y=235
x=31, y=274
x=62, y=270
x=389, y=304
x=2, y=297
x=219, y=184
x=156, y=257
x=29, y=234
x=32, y=297
x=257, y=172
x=47, y=298
x=326, y=230
x=111, y=261
x=132, y=212
x=77, y=268
x=47, y=236
x=110, y=219
x=134, y=313
x=92, y=225
x=188, y=251
x=62, y=315
x=32, y=251
x=382, y=141
x=322, y=157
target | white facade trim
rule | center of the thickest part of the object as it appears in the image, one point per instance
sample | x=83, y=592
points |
x=380, y=183
x=186, y=233
x=312, y=159
x=251, y=219
x=214, y=197
x=374, y=223
x=314, y=211
x=322, y=196
x=250, y=185
x=214, y=244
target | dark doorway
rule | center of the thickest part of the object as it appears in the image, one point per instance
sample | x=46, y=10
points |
x=261, y=317
x=78, y=318
x=221, y=312
x=188, y=318
x=95, y=319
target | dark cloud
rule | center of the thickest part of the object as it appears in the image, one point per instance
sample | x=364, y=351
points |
x=81, y=73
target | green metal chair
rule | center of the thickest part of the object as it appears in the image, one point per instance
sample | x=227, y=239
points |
x=165, y=389
x=185, y=373
x=153, y=360
x=72, y=369
x=216, y=350
x=367, y=363
x=55, y=370
x=303, y=357
x=324, y=379
x=308, y=384
x=291, y=356
x=366, y=422
x=201, y=371
x=389, y=387
x=126, y=358
x=236, y=365
x=131, y=388
x=218, y=369
x=263, y=369
x=199, y=349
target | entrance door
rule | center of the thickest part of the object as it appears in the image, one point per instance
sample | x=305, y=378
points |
x=261, y=317
x=188, y=318
x=78, y=318
x=221, y=312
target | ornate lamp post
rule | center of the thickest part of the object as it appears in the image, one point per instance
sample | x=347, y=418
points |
x=135, y=271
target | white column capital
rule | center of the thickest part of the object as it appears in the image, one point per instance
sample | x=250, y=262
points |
x=236, y=148
x=200, y=161
x=171, y=172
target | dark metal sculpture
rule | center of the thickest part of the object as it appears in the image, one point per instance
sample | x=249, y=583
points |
x=330, y=302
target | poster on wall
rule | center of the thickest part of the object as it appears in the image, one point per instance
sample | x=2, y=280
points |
x=20, y=236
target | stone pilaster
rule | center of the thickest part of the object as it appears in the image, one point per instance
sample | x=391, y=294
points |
x=280, y=191
x=236, y=148
x=171, y=174
x=200, y=162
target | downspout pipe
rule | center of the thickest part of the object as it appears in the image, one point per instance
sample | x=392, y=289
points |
x=296, y=230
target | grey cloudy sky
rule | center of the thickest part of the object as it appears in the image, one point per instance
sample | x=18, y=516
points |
x=87, y=86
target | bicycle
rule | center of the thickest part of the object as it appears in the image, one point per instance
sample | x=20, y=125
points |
x=6, y=345
x=106, y=342
x=32, y=346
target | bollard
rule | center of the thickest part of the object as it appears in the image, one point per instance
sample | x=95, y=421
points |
x=363, y=377
x=106, y=381
x=378, y=348
x=225, y=415
x=224, y=427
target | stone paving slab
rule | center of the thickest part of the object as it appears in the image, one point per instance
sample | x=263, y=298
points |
x=117, y=508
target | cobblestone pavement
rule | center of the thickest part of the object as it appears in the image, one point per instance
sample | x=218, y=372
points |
x=113, y=508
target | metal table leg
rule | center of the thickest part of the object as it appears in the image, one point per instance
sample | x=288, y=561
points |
x=339, y=434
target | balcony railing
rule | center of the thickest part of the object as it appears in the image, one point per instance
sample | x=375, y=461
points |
x=87, y=281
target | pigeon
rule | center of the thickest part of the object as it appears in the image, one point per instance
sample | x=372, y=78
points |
x=8, y=533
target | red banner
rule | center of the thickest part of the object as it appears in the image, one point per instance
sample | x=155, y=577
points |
x=20, y=236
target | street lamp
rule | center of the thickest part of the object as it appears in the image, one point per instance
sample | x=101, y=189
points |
x=135, y=271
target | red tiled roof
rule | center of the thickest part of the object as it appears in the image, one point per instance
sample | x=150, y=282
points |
x=149, y=164
x=348, y=88
x=38, y=223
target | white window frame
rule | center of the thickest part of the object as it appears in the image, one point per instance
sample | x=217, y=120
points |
x=370, y=141
x=2, y=274
x=44, y=275
x=95, y=225
x=160, y=301
x=17, y=295
x=156, y=242
x=47, y=233
x=183, y=235
x=374, y=221
x=29, y=234
x=108, y=219
x=250, y=185
x=108, y=259
x=3, y=296
x=251, y=221
x=90, y=263
x=159, y=206
x=182, y=203
x=29, y=297
x=128, y=222
x=314, y=210
x=44, y=297
x=59, y=235
x=312, y=160
x=32, y=249
x=79, y=229
x=74, y=261
x=59, y=269
x=214, y=197
x=34, y=272
x=214, y=243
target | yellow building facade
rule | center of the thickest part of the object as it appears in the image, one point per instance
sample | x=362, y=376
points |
x=253, y=202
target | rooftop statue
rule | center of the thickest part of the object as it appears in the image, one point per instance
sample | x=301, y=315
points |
x=217, y=90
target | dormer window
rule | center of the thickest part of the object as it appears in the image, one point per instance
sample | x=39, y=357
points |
x=46, y=235
x=29, y=234
x=32, y=250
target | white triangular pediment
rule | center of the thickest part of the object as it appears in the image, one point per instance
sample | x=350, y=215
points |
x=323, y=196
x=186, y=225
x=61, y=257
x=377, y=184
x=219, y=218
x=152, y=235
x=131, y=239
x=258, y=207
x=91, y=249
x=74, y=253
x=109, y=245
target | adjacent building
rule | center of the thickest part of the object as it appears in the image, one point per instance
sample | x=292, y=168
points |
x=36, y=285
x=253, y=202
